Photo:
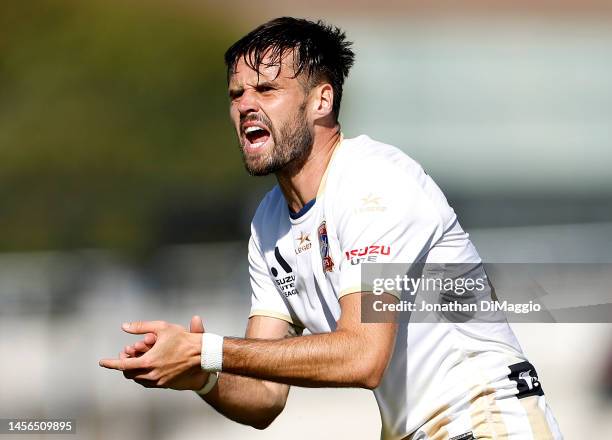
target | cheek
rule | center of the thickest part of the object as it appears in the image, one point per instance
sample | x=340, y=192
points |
x=281, y=114
x=234, y=115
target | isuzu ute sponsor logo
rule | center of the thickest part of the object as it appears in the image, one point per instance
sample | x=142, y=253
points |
x=368, y=254
x=326, y=260
x=285, y=283
x=368, y=250
x=304, y=243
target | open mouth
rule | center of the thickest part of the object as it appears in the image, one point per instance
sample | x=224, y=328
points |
x=256, y=136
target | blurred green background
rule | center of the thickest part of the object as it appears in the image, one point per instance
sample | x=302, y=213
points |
x=113, y=126
x=114, y=130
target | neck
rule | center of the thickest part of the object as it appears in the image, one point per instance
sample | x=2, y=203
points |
x=302, y=186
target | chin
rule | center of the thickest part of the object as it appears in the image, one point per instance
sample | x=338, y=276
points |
x=257, y=171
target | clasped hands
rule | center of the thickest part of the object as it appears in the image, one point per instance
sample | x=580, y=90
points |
x=167, y=357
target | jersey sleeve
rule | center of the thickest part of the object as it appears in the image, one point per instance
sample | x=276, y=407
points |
x=386, y=215
x=265, y=298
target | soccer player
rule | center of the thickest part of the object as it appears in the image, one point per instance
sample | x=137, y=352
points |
x=339, y=205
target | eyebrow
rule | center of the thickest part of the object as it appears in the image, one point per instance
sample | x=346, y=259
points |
x=264, y=84
x=235, y=92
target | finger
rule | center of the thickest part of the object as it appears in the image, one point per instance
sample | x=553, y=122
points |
x=196, y=325
x=122, y=364
x=142, y=327
x=123, y=355
x=137, y=353
x=141, y=347
x=150, y=339
x=129, y=350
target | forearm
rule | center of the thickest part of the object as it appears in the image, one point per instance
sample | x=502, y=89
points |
x=247, y=400
x=337, y=359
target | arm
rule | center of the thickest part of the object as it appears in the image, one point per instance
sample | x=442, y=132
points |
x=247, y=400
x=355, y=355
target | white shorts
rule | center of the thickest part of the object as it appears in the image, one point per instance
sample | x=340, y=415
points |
x=511, y=408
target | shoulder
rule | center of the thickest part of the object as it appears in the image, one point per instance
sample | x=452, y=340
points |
x=268, y=212
x=375, y=158
x=365, y=162
x=371, y=175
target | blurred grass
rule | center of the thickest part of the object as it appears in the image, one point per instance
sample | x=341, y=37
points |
x=113, y=119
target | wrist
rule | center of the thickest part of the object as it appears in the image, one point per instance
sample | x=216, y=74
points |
x=195, y=348
x=211, y=355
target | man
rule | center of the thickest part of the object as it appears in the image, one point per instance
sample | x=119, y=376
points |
x=339, y=203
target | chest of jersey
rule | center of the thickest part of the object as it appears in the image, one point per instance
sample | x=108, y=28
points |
x=304, y=266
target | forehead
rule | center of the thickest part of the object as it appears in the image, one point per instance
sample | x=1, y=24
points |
x=269, y=69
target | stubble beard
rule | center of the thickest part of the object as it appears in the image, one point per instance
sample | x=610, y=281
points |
x=292, y=145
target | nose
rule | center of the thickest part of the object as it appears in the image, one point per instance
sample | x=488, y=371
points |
x=247, y=103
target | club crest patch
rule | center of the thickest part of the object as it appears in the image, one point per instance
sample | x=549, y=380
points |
x=328, y=263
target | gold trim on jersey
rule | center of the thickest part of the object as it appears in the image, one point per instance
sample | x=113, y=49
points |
x=323, y=183
x=537, y=418
x=487, y=420
x=273, y=314
x=435, y=428
x=359, y=289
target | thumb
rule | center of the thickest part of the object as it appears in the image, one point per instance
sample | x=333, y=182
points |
x=196, y=325
x=142, y=327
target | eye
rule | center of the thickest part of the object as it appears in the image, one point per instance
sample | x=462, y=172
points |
x=234, y=95
x=264, y=88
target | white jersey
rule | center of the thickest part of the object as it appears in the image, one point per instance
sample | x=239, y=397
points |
x=376, y=204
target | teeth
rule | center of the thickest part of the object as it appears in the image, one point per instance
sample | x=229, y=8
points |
x=252, y=129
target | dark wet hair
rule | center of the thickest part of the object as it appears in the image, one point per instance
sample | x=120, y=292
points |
x=320, y=50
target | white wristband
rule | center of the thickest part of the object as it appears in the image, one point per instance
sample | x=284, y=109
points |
x=211, y=358
x=209, y=385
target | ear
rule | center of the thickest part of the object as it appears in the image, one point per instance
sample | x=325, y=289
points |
x=323, y=101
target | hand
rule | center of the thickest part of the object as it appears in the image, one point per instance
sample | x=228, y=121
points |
x=144, y=345
x=172, y=360
x=140, y=347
